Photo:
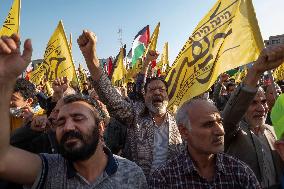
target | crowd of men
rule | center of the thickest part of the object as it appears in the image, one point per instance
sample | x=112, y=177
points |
x=103, y=137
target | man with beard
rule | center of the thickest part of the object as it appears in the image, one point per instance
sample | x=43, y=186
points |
x=85, y=161
x=152, y=134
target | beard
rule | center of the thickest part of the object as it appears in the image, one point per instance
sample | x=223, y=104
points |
x=256, y=122
x=157, y=105
x=86, y=149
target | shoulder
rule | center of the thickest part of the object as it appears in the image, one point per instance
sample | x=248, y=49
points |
x=52, y=158
x=130, y=173
x=270, y=130
x=234, y=165
x=127, y=166
x=175, y=163
x=52, y=162
x=52, y=171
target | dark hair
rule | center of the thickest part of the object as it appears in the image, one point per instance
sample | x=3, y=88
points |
x=149, y=80
x=230, y=84
x=78, y=97
x=26, y=88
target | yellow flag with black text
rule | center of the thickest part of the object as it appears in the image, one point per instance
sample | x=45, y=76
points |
x=163, y=64
x=153, y=40
x=82, y=76
x=119, y=73
x=57, y=61
x=278, y=73
x=227, y=37
x=12, y=22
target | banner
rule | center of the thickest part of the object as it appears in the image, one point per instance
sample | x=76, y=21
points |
x=82, y=76
x=119, y=73
x=278, y=73
x=12, y=21
x=227, y=37
x=153, y=40
x=163, y=64
x=57, y=61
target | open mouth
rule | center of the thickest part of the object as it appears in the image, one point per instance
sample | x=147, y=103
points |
x=157, y=100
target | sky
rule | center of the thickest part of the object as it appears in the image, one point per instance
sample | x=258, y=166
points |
x=178, y=19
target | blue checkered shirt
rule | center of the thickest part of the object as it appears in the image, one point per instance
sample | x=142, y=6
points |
x=180, y=172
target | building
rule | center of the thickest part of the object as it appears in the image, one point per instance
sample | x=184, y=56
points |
x=274, y=40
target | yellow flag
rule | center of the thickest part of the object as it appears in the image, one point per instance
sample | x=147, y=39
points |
x=153, y=40
x=241, y=74
x=278, y=73
x=57, y=61
x=70, y=41
x=12, y=22
x=227, y=37
x=163, y=65
x=119, y=73
x=82, y=77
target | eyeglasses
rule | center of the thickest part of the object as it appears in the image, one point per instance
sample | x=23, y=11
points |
x=154, y=89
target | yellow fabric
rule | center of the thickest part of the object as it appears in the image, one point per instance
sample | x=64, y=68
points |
x=82, y=76
x=58, y=60
x=12, y=22
x=163, y=64
x=153, y=40
x=278, y=73
x=240, y=75
x=15, y=122
x=152, y=46
x=40, y=111
x=227, y=37
x=119, y=73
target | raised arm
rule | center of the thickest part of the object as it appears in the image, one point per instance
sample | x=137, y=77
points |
x=218, y=87
x=270, y=58
x=117, y=106
x=142, y=75
x=15, y=164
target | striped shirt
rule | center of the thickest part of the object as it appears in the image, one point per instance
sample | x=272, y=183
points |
x=161, y=142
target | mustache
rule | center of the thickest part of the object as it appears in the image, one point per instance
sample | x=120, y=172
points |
x=158, y=98
x=71, y=134
x=218, y=139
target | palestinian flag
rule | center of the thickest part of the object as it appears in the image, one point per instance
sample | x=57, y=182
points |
x=140, y=43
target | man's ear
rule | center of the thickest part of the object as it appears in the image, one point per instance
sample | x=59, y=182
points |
x=29, y=101
x=183, y=131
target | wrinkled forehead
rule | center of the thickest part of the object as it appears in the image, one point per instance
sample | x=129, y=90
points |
x=202, y=109
x=78, y=107
x=17, y=95
x=156, y=84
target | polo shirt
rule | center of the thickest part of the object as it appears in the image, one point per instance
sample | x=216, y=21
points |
x=57, y=172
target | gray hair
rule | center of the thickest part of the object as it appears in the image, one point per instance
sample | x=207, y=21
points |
x=182, y=117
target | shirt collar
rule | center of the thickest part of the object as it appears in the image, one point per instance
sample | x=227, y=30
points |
x=188, y=163
x=111, y=167
x=220, y=163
